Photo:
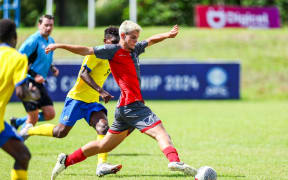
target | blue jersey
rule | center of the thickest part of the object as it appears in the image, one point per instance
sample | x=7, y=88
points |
x=34, y=48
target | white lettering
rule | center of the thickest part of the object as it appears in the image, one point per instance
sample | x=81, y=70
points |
x=52, y=84
x=219, y=18
x=67, y=82
x=216, y=91
x=181, y=83
x=150, y=83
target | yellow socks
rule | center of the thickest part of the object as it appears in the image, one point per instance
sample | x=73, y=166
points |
x=19, y=174
x=102, y=157
x=42, y=130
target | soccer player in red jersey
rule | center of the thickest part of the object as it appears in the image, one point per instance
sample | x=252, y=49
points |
x=131, y=111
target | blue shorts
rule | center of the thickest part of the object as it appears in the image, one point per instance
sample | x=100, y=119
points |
x=75, y=110
x=8, y=133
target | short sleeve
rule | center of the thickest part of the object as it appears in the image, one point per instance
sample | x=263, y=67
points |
x=140, y=47
x=28, y=47
x=90, y=62
x=52, y=40
x=106, y=51
x=20, y=70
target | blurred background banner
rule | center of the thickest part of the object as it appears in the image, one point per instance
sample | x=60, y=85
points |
x=9, y=9
x=236, y=16
x=164, y=81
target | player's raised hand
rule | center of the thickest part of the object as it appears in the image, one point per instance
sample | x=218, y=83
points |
x=173, y=33
x=105, y=96
x=50, y=47
x=39, y=79
x=55, y=71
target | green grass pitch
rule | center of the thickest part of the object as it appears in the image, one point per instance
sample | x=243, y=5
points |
x=242, y=140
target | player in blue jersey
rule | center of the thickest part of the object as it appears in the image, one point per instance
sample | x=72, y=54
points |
x=40, y=64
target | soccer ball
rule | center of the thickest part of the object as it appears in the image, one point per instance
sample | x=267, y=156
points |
x=206, y=173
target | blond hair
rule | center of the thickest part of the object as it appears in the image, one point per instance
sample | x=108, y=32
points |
x=128, y=26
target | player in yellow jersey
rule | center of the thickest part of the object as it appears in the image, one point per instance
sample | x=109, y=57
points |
x=13, y=69
x=83, y=102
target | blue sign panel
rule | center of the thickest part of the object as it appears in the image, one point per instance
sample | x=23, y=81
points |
x=165, y=81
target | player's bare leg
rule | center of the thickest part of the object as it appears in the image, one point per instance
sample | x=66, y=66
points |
x=61, y=130
x=48, y=112
x=165, y=143
x=21, y=154
x=99, y=122
x=108, y=143
x=32, y=118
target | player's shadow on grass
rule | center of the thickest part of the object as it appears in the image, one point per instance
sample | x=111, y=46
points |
x=45, y=154
x=129, y=176
x=231, y=176
x=152, y=175
x=133, y=154
x=175, y=175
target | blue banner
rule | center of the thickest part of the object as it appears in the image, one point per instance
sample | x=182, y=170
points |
x=164, y=81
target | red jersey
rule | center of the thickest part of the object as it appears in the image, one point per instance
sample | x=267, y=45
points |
x=125, y=69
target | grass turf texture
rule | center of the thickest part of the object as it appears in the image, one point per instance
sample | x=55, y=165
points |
x=263, y=53
x=242, y=140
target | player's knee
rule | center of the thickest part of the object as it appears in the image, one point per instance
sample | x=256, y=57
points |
x=49, y=115
x=23, y=158
x=26, y=156
x=102, y=127
x=60, y=133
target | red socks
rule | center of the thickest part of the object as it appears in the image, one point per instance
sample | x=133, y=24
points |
x=75, y=157
x=78, y=156
x=171, y=154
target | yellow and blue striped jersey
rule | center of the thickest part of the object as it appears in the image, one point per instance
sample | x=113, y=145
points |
x=99, y=70
x=13, y=69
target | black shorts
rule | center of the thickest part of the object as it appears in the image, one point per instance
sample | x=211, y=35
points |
x=135, y=115
x=44, y=100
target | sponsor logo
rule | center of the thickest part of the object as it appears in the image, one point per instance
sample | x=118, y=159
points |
x=65, y=118
x=217, y=78
x=220, y=18
x=149, y=121
x=107, y=72
x=216, y=19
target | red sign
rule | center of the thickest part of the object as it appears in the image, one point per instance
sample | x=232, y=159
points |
x=241, y=17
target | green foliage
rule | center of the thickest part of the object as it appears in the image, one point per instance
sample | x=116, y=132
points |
x=31, y=10
x=163, y=12
x=111, y=12
x=150, y=12
x=160, y=12
x=65, y=12
x=281, y=4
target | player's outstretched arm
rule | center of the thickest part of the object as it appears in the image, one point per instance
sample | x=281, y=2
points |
x=160, y=37
x=85, y=76
x=76, y=49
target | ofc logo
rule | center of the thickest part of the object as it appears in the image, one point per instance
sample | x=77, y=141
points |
x=216, y=78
